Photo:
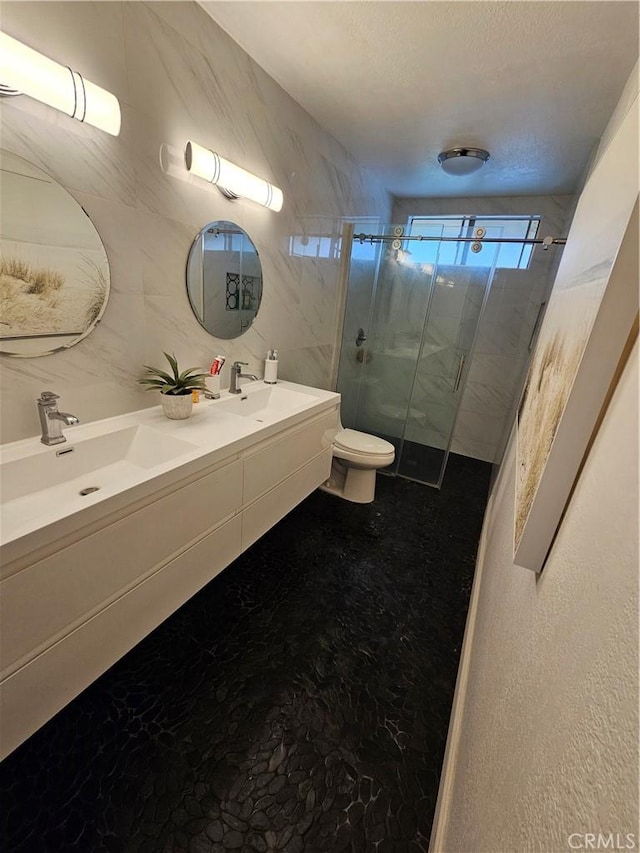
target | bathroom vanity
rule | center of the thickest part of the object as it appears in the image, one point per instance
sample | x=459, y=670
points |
x=105, y=536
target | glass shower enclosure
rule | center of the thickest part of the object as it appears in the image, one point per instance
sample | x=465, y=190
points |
x=411, y=317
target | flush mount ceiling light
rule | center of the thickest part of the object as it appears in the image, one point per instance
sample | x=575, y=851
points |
x=462, y=161
x=24, y=71
x=230, y=179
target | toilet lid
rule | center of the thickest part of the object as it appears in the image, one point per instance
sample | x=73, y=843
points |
x=362, y=442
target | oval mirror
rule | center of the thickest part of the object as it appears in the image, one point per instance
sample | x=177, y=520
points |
x=224, y=279
x=54, y=272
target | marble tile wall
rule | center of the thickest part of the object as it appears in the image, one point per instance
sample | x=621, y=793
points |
x=497, y=371
x=178, y=76
x=351, y=369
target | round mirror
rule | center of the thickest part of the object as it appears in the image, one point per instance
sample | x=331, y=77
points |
x=54, y=272
x=224, y=279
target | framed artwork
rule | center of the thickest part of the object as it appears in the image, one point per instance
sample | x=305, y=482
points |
x=592, y=311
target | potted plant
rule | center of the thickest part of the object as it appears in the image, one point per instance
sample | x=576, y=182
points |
x=175, y=387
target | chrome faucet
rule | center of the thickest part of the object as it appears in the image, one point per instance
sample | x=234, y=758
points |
x=236, y=374
x=51, y=420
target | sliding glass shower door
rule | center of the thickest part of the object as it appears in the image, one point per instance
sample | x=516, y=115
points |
x=457, y=297
x=405, y=381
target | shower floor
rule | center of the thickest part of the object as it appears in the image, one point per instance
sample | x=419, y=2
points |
x=299, y=702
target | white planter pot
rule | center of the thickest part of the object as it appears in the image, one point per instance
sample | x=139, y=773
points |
x=178, y=406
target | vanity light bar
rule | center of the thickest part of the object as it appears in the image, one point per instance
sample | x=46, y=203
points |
x=30, y=73
x=231, y=179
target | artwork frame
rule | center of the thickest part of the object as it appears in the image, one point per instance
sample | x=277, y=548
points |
x=592, y=311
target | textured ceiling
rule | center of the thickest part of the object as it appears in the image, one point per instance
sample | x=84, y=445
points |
x=396, y=82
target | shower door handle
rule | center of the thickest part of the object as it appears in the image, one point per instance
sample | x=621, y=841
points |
x=360, y=338
x=456, y=384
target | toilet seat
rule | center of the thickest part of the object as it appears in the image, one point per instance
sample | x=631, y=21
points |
x=361, y=443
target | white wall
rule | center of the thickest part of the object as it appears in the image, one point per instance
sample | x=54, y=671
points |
x=543, y=741
x=549, y=737
x=178, y=76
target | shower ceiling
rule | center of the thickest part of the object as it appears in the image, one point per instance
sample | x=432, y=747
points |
x=397, y=82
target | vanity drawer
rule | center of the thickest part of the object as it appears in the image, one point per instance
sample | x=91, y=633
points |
x=44, y=685
x=280, y=458
x=43, y=602
x=270, y=508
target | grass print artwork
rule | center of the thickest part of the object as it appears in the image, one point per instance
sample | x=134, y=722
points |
x=41, y=301
x=564, y=336
x=590, y=315
x=543, y=403
x=54, y=271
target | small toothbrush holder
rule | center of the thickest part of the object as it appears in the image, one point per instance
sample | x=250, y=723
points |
x=212, y=384
x=271, y=371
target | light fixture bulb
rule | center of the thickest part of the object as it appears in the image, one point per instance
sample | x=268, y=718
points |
x=462, y=161
x=30, y=73
x=232, y=180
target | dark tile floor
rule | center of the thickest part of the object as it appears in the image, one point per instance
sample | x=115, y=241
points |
x=299, y=702
x=418, y=462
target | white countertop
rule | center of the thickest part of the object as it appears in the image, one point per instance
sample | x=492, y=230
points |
x=212, y=434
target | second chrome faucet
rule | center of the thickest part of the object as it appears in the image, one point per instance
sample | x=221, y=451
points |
x=236, y=374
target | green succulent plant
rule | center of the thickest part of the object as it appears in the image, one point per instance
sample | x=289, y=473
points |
x=176, y=385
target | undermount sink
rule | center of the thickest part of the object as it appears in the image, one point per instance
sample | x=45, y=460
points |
x=264, y=404
x=89, y=464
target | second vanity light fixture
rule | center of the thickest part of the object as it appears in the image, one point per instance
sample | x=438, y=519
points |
x=25, y=71
x=232, y=180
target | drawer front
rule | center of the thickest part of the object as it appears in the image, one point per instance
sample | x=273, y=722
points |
x=44, y=601
x=269, y=509
x=273, y=463
x=38, y=690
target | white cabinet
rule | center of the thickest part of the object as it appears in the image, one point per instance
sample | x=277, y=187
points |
x=69, y=615
x=271, y=461
x=39, y=689
x=43, y=602
x=266, y=511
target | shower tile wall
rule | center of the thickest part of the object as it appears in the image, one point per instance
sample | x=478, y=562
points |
x=178, y=76
x=360, y=289
x=498, y=367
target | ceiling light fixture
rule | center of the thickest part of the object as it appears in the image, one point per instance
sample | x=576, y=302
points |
x=230, y=179
x=462, y=161
x=24, y=71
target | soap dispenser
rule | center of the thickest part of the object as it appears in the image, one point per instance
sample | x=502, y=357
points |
x=271, y=367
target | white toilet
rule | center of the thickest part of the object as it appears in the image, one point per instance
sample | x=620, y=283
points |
x=356, y=458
